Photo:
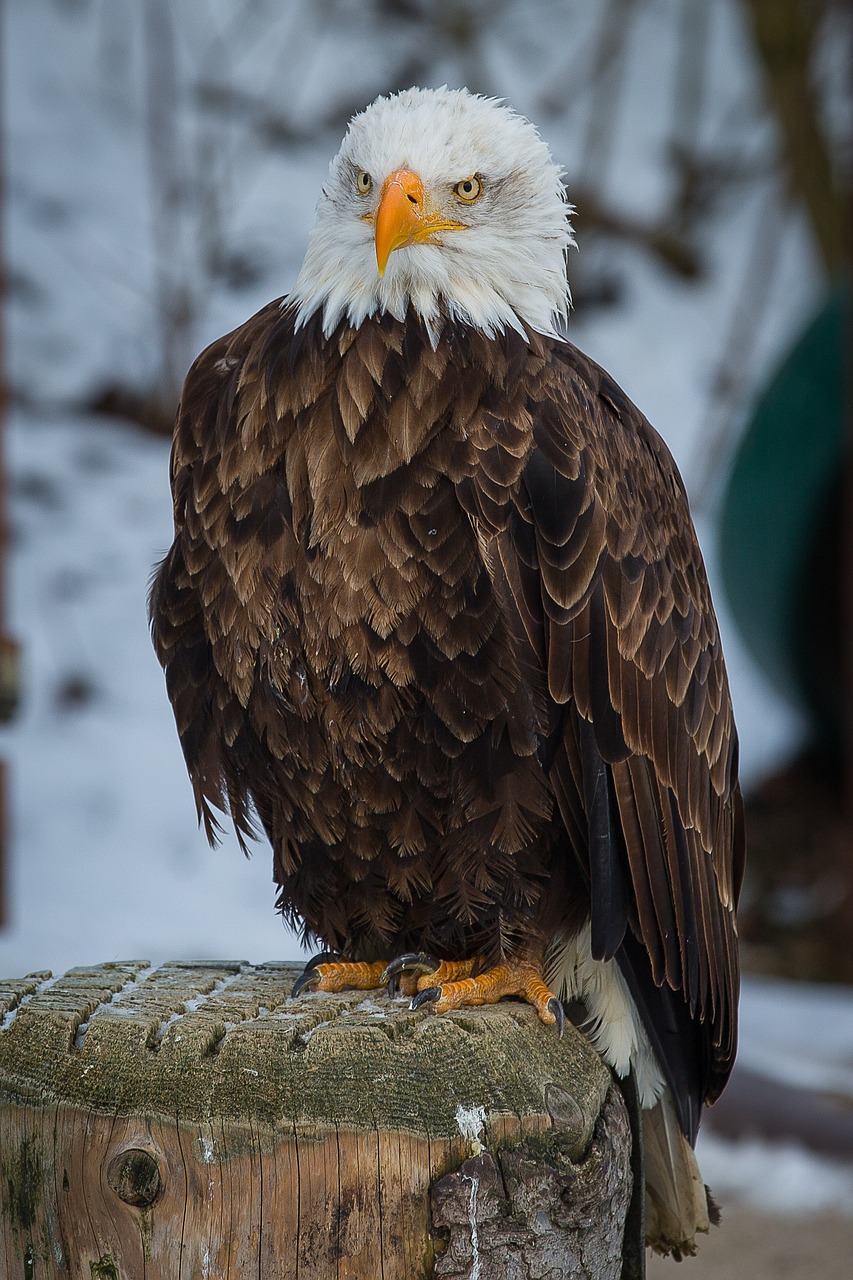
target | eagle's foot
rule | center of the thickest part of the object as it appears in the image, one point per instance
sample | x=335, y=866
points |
x=330, y=972
x=416, y=970
x=519, y=978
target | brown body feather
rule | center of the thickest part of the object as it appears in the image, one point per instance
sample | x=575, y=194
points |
x=439, y=618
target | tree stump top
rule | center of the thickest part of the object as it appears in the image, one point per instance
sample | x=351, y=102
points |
x=191, y=1120
x=224, y=1038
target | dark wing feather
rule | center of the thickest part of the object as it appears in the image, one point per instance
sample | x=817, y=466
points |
x=607, y=888
x=210, y=592
x=611, y=589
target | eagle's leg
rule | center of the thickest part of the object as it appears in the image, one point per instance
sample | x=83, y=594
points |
x=330, y=972
x=416, y=970
x=521, y=978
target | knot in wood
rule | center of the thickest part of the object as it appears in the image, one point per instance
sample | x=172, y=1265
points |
x=565, y=1113
x=134, y=1176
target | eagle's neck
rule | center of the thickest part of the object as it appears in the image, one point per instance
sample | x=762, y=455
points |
x=492, y=288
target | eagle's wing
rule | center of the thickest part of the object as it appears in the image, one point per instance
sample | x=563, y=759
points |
x=213, y=594
x=605, y=571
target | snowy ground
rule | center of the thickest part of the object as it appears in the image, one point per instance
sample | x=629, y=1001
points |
x=105, y=859
x=800, y=1035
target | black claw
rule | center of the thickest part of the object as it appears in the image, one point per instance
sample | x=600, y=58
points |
x=322, y=957
x=306, y=981
x=427, y=996
x=308, y=977
x=411, y=962
x=555, y=1006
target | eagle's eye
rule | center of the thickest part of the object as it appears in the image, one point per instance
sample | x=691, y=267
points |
x=469, y=189
x=364, y=183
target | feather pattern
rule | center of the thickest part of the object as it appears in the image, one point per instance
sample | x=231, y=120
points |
x=436, y=617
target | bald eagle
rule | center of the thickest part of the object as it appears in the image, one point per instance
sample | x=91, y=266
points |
x=435, y=616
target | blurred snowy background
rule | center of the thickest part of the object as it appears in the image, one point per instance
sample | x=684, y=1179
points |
x=162, y=162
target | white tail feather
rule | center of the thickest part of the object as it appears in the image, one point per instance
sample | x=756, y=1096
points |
x=676, y=1198
x=677, y=1203
x=614, y=1027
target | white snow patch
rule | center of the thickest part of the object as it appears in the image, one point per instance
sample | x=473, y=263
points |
x=797, y=1032
x=777, y=1177
x=11, y=1014
x=112, y=1004
x=194, y=1003
x=369, y=1005
x=308, y=1035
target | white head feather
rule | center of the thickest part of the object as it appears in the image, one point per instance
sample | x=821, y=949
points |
x=506, y=268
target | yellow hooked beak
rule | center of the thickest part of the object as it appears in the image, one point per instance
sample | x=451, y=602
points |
x=405, y=216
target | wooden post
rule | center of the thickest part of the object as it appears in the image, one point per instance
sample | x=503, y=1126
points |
x=192, y=1122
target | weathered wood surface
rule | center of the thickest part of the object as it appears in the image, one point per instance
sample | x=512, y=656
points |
x=192, y=1122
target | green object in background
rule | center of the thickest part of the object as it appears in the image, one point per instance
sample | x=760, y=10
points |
x=781, y=521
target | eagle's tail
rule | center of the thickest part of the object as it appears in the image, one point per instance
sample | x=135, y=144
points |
x=678, y=1204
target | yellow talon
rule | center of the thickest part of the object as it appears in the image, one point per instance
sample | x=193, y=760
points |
x=512, y=978
x=340, y=975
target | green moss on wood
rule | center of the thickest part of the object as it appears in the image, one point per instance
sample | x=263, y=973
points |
x=104, y=1269
x=23, y=1175
x=196, y=1041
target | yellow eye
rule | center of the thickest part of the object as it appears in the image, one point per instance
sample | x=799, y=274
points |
x=469, y=189
x=364, y=183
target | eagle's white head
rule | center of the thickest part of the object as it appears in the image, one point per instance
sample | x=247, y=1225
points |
x=444, y=202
